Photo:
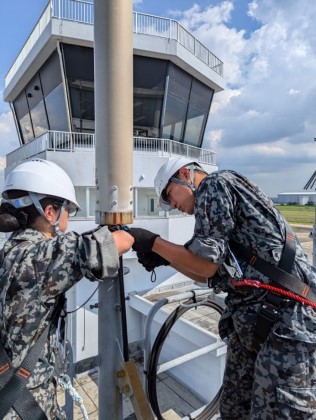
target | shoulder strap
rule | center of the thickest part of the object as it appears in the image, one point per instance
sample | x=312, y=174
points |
x=288, y=255
x=278, y=274
x=14, y=388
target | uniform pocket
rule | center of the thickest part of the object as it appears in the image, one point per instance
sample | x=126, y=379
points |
x=297, y=403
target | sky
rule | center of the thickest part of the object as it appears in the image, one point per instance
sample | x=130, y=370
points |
x=264, y=123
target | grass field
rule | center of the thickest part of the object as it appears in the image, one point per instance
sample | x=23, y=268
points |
x=304, y=215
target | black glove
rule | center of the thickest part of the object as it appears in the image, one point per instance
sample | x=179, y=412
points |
x=113, y=228
x=144, y=239
x=150, y=260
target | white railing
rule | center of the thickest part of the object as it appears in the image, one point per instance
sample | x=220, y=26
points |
x=165, y=147
x=58, y=141
x=76, y=10
x=171, y=29
x=82, y=11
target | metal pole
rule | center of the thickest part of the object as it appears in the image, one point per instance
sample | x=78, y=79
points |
x=113, y=89
x=109, y=343
x=113, y=69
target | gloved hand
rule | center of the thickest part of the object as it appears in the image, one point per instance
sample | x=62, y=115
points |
x=150, y=260
x=144, y=239
x=113, y=228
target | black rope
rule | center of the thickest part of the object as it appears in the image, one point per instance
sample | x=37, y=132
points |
x=212, y=408
x=153, y=276
x=123, y=312
x=84, y=303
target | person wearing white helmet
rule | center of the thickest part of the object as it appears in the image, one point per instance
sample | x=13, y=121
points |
x=168, y=173
x=35, y=180
x=39, y=263
x=270, y=315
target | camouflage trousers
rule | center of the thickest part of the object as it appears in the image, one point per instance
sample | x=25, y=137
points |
x=277, y=384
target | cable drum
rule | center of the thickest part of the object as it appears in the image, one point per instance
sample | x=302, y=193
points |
x=212, y=408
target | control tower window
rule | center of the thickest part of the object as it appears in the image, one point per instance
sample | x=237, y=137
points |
x=56, y=109
x=187, y=107
x=175, y=116
x=39, y=119
x=196, y=120
x=26, y=127
x=149, y=83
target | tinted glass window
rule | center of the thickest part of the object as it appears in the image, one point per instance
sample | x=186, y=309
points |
x=195, y=125
x=147, y=111
x=179, y=82
x=82, y=100
x=149, y=81
x=174, y=118
x=201, y=95
x=56, y=109
x=20, y=105
x=149, y=73
x=50, y=74
x=26, y=128
x=79, y=62
x=34, y=92
x=39, y=119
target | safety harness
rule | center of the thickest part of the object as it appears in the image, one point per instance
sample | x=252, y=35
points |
x=13, y=381
x=283, y=289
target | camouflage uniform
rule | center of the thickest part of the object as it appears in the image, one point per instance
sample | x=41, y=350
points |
x=34, y=272
x=280, y=381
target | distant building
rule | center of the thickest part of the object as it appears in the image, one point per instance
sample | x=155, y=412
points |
x=302, y=198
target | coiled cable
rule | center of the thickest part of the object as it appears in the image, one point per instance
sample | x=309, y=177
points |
x=212, y=408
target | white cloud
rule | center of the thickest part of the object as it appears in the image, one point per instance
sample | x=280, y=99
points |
x=2, y=163
x=9, y=140
x=8, y=135
x=294, y=91
x=263, y=124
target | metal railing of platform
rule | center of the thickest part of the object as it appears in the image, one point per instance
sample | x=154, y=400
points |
x=65, y=141
x=82, y=11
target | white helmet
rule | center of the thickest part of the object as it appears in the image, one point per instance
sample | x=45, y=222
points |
x=164, y=175
x=41, y=177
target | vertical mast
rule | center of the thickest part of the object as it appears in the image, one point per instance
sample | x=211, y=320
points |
x=113, y=61
x=113, y=69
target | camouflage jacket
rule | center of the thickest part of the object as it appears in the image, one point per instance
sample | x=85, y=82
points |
x=34, y=272
x=230, y=207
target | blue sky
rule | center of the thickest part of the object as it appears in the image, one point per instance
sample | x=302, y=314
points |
x=264, y=122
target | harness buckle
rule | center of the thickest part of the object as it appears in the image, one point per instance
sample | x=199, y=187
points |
x=269, y=312
x=266, y=317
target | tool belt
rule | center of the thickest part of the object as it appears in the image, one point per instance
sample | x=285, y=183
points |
x=283, y=289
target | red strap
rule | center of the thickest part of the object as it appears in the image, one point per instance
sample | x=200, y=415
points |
x=256, y=283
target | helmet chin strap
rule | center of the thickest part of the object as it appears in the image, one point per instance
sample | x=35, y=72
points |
x=186, y=184
x=39, y=208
